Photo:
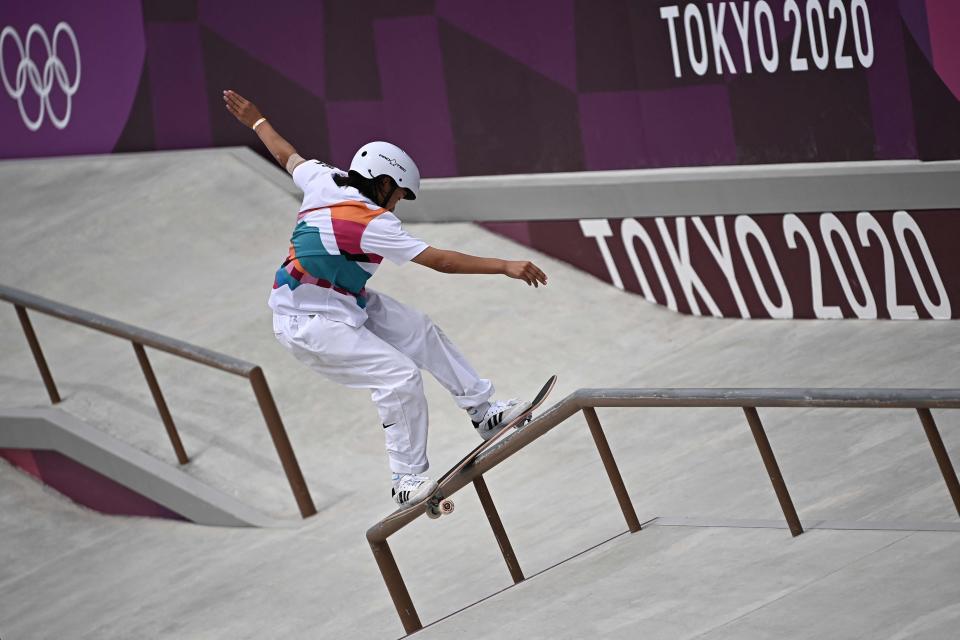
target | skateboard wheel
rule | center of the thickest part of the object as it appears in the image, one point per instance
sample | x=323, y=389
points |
x=432, y=513
x=446, y=506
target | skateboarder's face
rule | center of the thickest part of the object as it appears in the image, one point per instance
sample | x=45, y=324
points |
x=395, y=198
x=386, y=186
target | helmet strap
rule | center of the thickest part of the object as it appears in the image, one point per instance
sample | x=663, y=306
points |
x=393, y=189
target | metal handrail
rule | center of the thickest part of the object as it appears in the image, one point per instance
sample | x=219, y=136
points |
x=587, y=400
x=140, y=338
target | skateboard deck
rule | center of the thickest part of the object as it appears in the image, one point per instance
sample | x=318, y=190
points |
x=437, y=504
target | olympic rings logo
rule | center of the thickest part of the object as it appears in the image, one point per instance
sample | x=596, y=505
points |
x=41, y=83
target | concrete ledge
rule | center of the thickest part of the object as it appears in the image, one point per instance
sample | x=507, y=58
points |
x=725, y=190
x=751, y=189
x=52, y=429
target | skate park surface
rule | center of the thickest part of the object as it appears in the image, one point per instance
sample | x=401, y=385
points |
x=186, y=243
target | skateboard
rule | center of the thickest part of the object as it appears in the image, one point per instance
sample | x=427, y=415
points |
x=437, y=504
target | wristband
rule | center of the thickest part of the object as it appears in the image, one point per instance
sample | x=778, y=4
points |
x=258, y=123
x=294, y=161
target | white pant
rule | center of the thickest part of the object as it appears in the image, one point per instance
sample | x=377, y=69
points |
x=385, y=355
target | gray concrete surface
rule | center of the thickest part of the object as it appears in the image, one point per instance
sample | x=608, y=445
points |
x=50, y=429
x=878, y=185
x=186, y=243
x=750, y=189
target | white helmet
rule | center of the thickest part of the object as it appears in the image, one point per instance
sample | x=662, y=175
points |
x=382, y=158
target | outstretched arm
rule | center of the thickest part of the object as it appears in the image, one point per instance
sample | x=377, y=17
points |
x=248, y=115
x=446, y=261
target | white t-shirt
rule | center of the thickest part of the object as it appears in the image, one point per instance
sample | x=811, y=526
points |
x=338, y=243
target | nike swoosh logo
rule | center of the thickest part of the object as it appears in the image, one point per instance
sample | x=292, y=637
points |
x=387, y=426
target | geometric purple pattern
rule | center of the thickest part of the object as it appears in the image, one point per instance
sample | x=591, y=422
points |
x=541, y=40
x=474, y=87
x=944, y=21
x=684, y=127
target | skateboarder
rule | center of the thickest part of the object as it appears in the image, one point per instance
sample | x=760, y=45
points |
x=327, y=318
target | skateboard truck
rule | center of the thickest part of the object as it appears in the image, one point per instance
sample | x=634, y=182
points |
x=439, y=506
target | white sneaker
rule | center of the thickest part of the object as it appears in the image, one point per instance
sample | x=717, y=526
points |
x=408, y=488
x=498, y=416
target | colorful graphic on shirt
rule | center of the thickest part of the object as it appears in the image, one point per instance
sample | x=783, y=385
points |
x=311, y=262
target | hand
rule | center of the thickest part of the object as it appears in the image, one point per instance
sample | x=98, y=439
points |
x=526, y=271
x=241, y=108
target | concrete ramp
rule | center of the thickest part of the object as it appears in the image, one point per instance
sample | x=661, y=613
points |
x=186, y=243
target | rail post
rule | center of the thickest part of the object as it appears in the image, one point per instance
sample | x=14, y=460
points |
x=613, y=472
x=773, y=470
x=396, y=587
x=161, y=403
x=281, y=442
x=940, y=453
x=37, y=354
x=498, y=531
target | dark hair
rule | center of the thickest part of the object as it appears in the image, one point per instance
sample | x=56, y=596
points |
x=366, y=186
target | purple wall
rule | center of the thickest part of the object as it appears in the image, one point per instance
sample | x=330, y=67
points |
x=84, y=485
x=900, y=265
x=472, y=87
